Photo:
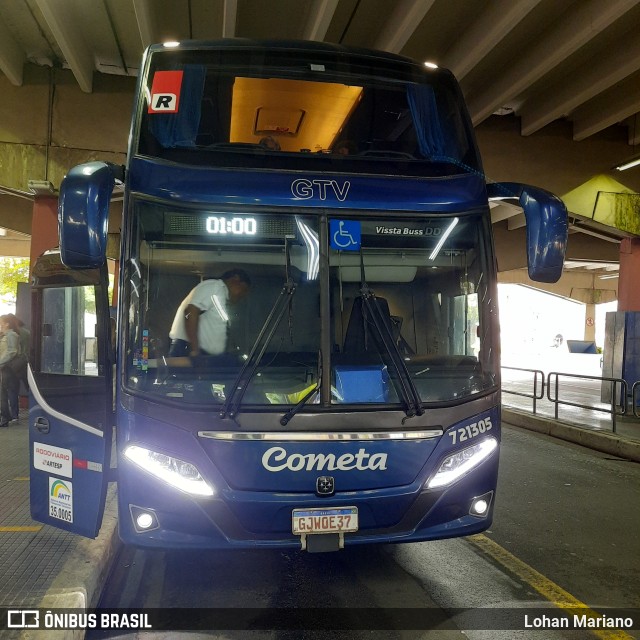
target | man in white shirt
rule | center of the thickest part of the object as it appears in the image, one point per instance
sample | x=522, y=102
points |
x=201, y=322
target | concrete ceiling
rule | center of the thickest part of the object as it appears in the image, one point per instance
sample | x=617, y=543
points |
x=543, y=60
x=536, y=65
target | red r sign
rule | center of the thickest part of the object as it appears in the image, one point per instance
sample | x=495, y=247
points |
x=165, y=92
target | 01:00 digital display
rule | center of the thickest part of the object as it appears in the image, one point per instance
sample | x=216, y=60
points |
x=221, y=225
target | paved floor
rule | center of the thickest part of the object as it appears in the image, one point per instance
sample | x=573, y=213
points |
x=41, y=565
x=30, y=554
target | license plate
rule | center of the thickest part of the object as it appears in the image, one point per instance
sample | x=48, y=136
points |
x=335, y=520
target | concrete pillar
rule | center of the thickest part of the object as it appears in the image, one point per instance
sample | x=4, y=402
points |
x=590, y=322
x=628, y=289
x=44, y=225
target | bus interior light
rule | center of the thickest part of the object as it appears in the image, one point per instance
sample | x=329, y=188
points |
x=178, y=473
x=443, y=239
x=460, y=463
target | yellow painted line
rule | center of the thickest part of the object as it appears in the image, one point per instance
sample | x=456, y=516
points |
x=26, y=478
x=31, y=528
x=545, y=587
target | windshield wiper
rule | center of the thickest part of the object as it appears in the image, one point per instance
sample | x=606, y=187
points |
x=232, y=404
x=306, y=397
x=292, y=412
x=404, y=384
x=234, y=399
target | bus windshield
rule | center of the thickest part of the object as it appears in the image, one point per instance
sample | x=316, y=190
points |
x=277, y=109
x=428, y=277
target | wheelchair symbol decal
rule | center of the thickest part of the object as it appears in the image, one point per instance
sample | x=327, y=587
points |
x=345, y=235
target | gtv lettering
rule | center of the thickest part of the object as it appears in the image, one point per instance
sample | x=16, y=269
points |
x=304, y=189
x=276, y=459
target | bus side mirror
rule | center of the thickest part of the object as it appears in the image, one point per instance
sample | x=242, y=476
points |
x=83, y=213
x=547, y=227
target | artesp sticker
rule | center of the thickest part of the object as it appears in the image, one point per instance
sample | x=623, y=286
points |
x=52, y=459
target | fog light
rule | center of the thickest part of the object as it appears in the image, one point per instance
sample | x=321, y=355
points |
x=143, y=519
x=480, y=505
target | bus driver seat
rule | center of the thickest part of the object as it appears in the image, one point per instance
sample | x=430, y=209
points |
x=361, y=331
x=361, y=335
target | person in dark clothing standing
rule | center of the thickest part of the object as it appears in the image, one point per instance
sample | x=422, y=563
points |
x=19, y=363
x=9, y=346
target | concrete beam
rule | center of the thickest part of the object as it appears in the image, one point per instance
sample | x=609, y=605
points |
x=492, y=25
x=589, y=18
x=229, y=18
x=68, y=36
x=319, y=19
x=408, y=14
x=590, y=80
x=503, y=210
x=12, y=57
x=15, y=248
x=16, y=212
x=579, y=286
x=622, y=102
x=144, y=18
x=516, y=222
x=511, y=248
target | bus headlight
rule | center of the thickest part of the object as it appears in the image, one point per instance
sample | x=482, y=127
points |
x=458, y=464
x=178, y=473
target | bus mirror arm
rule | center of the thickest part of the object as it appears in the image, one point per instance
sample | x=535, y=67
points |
x=547, y=227
x=83, y=213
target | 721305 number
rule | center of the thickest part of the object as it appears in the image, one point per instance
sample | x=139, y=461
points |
x=470, y=431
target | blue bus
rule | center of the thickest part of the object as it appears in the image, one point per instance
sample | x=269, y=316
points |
x=306, y=349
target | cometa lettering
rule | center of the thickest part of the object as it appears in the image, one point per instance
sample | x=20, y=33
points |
x=276, y=459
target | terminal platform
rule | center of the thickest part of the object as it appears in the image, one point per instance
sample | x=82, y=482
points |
x=41, y=566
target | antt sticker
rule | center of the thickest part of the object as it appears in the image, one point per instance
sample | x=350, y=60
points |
x=165, y=92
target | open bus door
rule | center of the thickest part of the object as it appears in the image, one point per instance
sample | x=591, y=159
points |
x=71, y=391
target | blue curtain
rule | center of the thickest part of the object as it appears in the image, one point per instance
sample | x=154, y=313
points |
x=429, y=130
x=180, y=129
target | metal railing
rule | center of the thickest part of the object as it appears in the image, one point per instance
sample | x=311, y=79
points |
x=534, y=396
x=552, y=382
x=635, y=399
x=612, y=410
